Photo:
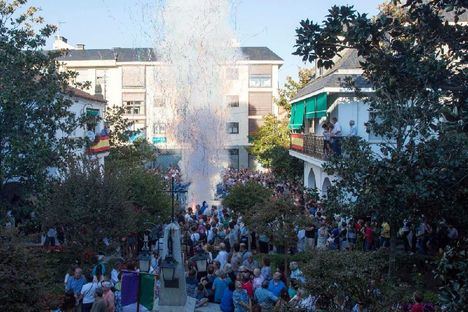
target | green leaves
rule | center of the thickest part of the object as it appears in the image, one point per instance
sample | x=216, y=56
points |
x=33, y=104
x=243, y=197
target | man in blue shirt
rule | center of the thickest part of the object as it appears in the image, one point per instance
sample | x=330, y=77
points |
x=276, y=284
x=76, y=282
x=265, y=298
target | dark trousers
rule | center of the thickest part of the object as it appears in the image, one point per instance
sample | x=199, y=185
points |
x=86, y=307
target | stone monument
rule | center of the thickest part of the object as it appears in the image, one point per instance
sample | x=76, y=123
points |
x=173, y=294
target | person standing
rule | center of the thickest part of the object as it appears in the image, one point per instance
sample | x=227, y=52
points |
x=75, y=283
x=352, y=128
x=336, y=133
x=276, y=285
x=99, y=304
x=88, y=293
x=240, y=298
x=108, y=296
x=227, y=304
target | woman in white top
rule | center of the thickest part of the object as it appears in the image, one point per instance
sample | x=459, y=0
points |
x=322, y=237
x=87, y=293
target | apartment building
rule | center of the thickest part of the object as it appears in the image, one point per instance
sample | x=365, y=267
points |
x=126, y=76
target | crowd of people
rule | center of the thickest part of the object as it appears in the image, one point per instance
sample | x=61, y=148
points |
x=239, y=275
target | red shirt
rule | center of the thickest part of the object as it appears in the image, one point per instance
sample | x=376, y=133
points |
x=417, y=307
x=368, y=233
x=249, y=288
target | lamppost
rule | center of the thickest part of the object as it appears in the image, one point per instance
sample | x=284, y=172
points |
x=144, y=258
x=201, y=261
x=174, y=191
x=169, y=266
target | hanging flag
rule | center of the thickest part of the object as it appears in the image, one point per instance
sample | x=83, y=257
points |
x=147, y=291
x=136, y=288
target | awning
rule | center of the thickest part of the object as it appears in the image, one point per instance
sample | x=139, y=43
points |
x=297, y=116
x=316, y=106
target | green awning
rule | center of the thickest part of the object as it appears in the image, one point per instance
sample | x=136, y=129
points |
x=92, y=112
x=316, y=106
x=297, y=116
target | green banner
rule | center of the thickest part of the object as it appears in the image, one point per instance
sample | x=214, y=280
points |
x=147, y=290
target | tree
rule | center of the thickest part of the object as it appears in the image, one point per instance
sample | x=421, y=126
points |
x=20, y=289
x=243, y=197
x=125, y=153
x=418, y=108
x=279, y=219
x=90, y=207
x=356, y=277
x=34, y=102
x=289, y=91
x=452, y=272
x=271, y=147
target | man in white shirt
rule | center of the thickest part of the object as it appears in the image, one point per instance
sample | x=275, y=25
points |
x=222, y=256
x=336, y=136
x=352, y=128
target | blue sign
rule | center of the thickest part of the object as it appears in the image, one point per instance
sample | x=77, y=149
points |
x=159, y=140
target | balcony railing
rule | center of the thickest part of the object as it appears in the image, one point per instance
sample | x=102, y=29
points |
x=308, y=144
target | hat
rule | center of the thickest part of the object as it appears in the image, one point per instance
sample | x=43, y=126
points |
x=106, y=284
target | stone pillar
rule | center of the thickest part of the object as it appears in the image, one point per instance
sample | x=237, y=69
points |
x=174, y=298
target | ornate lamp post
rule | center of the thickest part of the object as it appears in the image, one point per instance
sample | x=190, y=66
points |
x=201, y=261
x=144, y=258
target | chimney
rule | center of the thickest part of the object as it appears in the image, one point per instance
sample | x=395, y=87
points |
x=80, y=46
x=61, y=43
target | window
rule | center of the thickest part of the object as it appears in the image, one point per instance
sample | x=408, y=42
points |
x=254, y=124
x=260, y=103
x=234, y=158
x=232, y=100
x=92, y=118
x=134, y=103
x=159, y=128
x=233, y=127
x=260, y=76
x=133, y=76
x=134, y=107
x=232, y=73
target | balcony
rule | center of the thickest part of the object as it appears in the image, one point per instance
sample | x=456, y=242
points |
x=308, y=144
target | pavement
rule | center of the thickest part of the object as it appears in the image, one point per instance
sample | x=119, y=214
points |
x=210, y=307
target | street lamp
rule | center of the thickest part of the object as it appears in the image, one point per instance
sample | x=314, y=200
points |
x=168, y=269
x=201, y=261
x=144, y=259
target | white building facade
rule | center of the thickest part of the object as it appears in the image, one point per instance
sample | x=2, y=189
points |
x=324, y=98
x=127, y=77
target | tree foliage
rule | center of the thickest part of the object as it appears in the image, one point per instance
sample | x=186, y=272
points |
x=418, y=108
x=243, y=197
x=290, y=88
x=278, y=218
x=92, y=206
x=452, y=272
x=20, y=289
x=271, y=147
x=123, y=152
x=356, y=277
x=33, y=99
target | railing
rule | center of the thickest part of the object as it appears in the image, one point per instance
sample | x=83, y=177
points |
x=308, y=144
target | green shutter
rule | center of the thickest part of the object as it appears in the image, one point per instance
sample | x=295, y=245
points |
x=310, y=107
x=321, y=106
x=291, y=118
x=299, y=116
x=92, y=112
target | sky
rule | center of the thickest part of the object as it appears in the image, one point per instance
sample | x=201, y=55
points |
x=128, y=23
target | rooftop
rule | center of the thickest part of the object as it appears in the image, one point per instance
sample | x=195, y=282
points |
x=333, y=78
x=148, y=54
x=84, y=95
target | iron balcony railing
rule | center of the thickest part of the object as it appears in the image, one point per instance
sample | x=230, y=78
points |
x=308, y=144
